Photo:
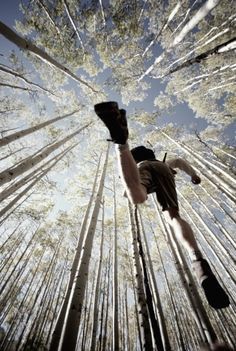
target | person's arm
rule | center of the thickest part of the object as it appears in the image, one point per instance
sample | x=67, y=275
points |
x=129, y=173
x=184, y=166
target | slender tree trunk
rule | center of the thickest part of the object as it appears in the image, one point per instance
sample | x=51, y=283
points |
x=72, y=322
x=25, y=80
x=18, y=262
x=49, y=16
x=27, y=45
x=153, y=321
x=8, y=175
x=16, y=136
x=174, y=309
x=87, y=341
x=18, y=87
x=142, y=303
x=218, y=204
x=103, y=301
x=220, y=183
x=105, y=338
x=13, y=251
x=161, y=318
x=221, y=161
x=208, y=163
x=199, y=58
x=115, y=327
x=66, y=5
x=9, y=238
x=135, y=307
x=127, y=320
x=60, y=288
x=209, y=231
x=30, y=186
x=14, y=290
x=200, y=316
x=216, y=221
x=14, y=209
x=61, y=317
x=97, y=289
x=46, y=300
x=41, y=288
x=17, y=185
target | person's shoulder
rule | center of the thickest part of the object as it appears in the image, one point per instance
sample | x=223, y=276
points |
x=148, y=164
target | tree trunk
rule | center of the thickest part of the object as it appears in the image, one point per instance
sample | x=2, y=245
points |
x=27, y=45
x=8, y=175
x=200, y=316
x=161, y=318
x=149, y=300
x=74, y=309
x=115, y=303
x=73, y=23
x=103, y=302
x=146, y=335
x=221, y=184
x=97, y=290
x=21, y=77
x=105, y=329
x=16, y=136
x=199, y=58
x=60, y=288
x=17, y=185
x=61, y=317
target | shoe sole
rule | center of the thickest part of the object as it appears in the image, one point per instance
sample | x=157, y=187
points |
x=109, y=113
x=215, y=294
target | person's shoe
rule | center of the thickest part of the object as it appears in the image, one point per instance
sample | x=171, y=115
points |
x=215, y=294
x=114, y=119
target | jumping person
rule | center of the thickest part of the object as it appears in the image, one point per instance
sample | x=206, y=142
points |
x=142, y=174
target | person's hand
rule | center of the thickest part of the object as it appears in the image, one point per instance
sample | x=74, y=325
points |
x=195, y=179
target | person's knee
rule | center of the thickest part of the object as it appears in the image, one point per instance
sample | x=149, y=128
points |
x=137, y=197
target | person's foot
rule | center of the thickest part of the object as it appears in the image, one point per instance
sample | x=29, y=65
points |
x=114, y=119
x=215, y=294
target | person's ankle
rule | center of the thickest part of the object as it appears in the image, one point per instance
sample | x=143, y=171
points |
x=195, y=255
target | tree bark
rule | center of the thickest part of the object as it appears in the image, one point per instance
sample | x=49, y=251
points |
x=61, y=317
x=16, y=136
x=115, y=325
x=149, y=299
x=8, y=175
x=21, y=77
x=73, y=317
x=97, y=290
x=146, y=336
x=27, y=45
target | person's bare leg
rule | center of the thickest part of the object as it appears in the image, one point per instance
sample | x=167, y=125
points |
x=215, y=294
x=136, y=192
x=183, y=233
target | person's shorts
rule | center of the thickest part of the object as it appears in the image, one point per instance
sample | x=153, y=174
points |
x=158, y=177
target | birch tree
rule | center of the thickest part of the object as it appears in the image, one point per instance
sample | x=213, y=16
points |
x=8, y=175
x=26, y=45
x=74, y=308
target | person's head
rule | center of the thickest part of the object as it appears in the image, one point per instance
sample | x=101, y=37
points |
x=141, y=153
